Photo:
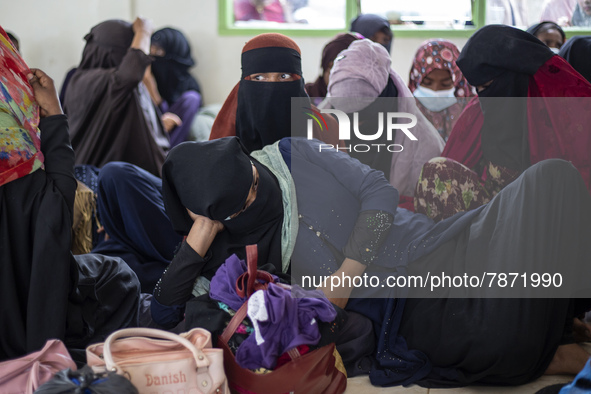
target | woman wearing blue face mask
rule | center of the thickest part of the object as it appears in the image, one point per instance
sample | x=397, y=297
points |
x=441, y=90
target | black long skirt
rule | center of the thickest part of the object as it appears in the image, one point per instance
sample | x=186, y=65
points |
x=541, y=222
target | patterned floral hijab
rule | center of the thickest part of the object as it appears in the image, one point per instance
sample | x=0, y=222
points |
x=439, y=54
x=20, y=143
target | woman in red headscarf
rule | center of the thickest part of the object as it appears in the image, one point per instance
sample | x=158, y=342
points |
x=258, y=110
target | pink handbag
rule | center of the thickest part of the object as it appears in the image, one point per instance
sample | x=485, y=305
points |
x=26, y=374
x=157, y=361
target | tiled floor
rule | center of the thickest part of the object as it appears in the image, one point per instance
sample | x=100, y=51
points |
x=361, y=385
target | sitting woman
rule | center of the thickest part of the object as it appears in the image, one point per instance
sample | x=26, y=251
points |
x=326, y=216
x=529, y=108
x=47, y=292
x=375, y=28
x=318, y=89
x=258, y=110
x=364, y=84
x=439, y=86
x=549, y=33
x=577, y=52
x=109, y=108
x=172, y=87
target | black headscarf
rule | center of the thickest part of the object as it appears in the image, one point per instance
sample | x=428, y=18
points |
x=577, y=51
x=263, y=115
x=369, y=24
x=111, y=114
x=213, y=179
x=369, y=122
x=546, y=25
x=171, y=71
x=508, y=57
x=106, y=44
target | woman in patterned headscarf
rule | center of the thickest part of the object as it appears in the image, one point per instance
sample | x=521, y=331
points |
x=438, y=84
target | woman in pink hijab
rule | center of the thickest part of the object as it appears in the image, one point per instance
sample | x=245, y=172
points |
x=438, y=84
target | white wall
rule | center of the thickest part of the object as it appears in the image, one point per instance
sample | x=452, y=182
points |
x=51, y=37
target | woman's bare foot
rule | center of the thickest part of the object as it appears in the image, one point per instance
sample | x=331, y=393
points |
x=581, y=331
x=568, y=360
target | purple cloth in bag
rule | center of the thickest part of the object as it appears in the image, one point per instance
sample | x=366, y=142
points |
x=284, y=318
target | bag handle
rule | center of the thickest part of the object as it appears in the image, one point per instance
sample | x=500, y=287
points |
x=246, y=285
x=200, y=359
x=252, y=285
x=234, y=323
x=250, y=281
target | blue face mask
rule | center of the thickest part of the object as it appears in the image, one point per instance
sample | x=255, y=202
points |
x=435, y=101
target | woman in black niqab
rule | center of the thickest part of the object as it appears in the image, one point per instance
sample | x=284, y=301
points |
x=111, y=115
x=503, y=58
x=229, y=182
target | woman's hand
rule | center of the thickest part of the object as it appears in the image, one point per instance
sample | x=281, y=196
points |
x=340, y=295
x=202, y=233
x=45, y=93
x=142, y=25
x=170, y=121
x=142, y=29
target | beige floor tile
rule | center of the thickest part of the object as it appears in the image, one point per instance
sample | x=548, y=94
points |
x=361, y=385
x=529, y=388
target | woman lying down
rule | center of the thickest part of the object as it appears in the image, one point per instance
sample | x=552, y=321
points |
x=323, y=213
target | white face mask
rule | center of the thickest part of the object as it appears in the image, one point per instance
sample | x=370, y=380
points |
x=555, y=50
x=435, y=100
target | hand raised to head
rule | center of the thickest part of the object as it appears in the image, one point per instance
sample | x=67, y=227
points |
x=45, y=93
x=141, y=24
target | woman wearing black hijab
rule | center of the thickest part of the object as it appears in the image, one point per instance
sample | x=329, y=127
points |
x=549, y=33
x=111, y=114
x=374, y=27
x=243, y=192
x=258, y=109
x=503, y=71
x=176, y=92
x=577, y=51
x=318, y=88
x=347, y=224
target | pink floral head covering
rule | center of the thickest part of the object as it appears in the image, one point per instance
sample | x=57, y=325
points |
x=439, y=54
